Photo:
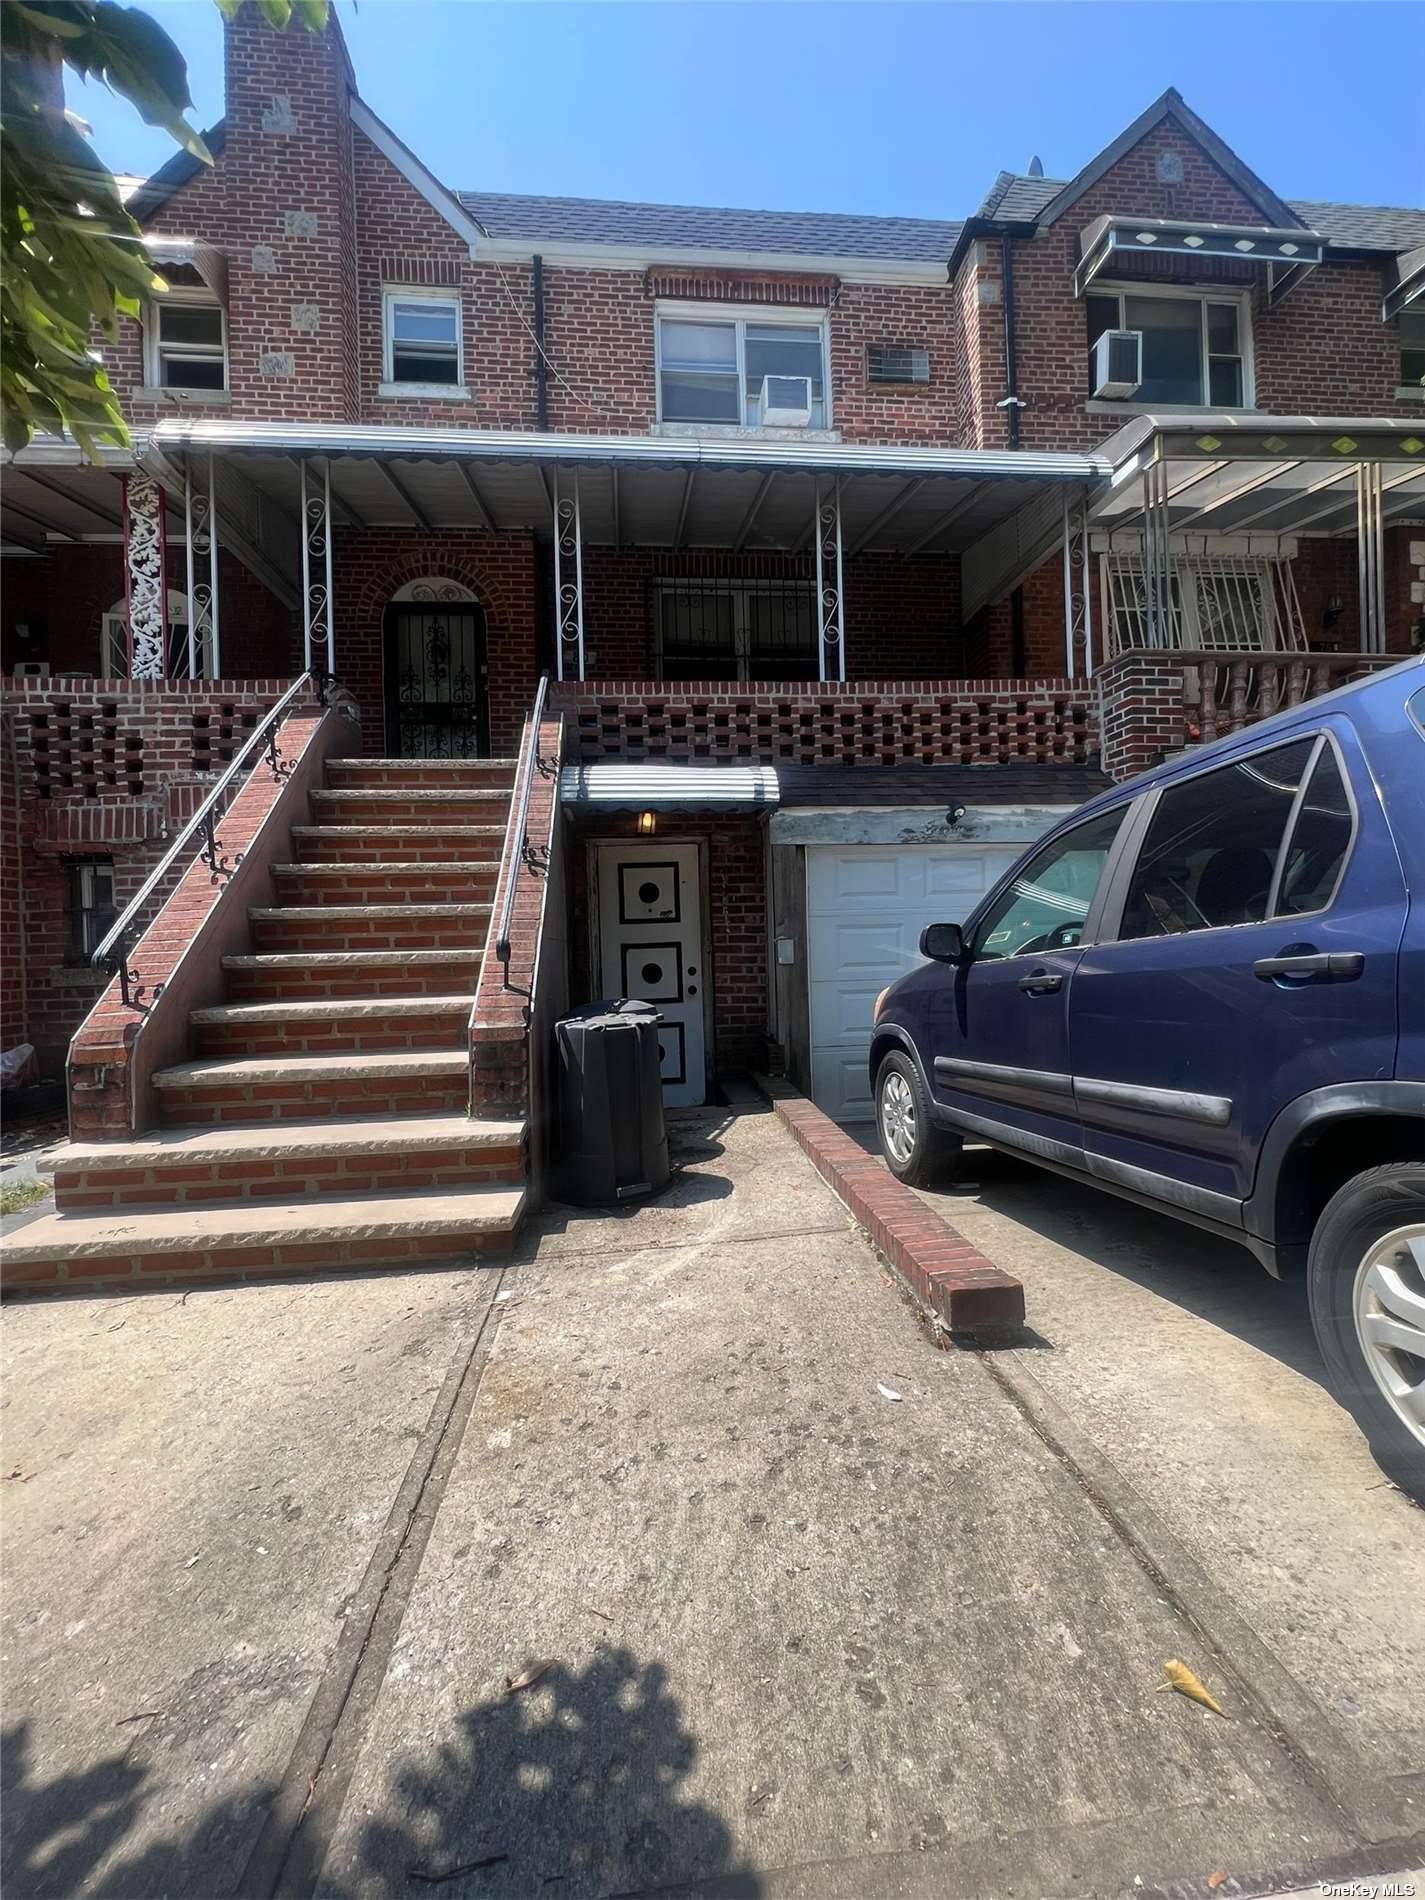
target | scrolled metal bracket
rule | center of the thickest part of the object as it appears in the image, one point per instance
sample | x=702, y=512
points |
x=218, y=865
x=132, y=988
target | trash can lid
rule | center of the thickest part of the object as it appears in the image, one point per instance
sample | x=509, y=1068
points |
x=613, y=1013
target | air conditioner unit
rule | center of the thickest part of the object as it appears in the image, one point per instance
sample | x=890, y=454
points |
x=1116, y=363
x=32, y=669
x=786, y=402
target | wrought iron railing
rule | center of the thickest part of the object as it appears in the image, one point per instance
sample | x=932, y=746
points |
x=518, y=853
x=114, y=948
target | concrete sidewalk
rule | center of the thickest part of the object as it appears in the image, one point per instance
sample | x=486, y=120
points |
x=816, y=1609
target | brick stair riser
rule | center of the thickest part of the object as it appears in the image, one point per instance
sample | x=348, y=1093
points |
x=248, y=1103
x=290, y=934
x=339, y=808
x=82, y=1190
x=360, y=980
x=429, y=847
x=433, y=885
x=241, y=1263
x=427, y=775
x=368, y=1035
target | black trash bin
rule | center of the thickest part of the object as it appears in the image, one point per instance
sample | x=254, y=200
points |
x=613, y=1143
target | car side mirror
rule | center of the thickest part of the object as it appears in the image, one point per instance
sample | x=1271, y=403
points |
x=943, y=943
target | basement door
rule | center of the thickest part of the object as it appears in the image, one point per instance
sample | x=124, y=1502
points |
x=866, y=907
x=651, y=947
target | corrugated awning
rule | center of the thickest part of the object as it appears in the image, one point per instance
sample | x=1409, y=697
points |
x=209, y=262
x=663, y=787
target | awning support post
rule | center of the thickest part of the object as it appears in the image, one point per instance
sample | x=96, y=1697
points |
x=200, y=544
x=1078, y=599
x=145, y=577
x=318, y=637
x=830, y=585
x=568, y=581
x=1370, y=556
x=1158, y=623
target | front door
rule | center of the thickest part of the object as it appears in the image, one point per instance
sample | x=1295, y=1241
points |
x=651, y=948
x=436, y=701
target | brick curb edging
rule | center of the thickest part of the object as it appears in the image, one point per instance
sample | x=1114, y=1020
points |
x=966, y=1292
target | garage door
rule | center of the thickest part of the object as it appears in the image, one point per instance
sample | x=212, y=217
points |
x=866, y=906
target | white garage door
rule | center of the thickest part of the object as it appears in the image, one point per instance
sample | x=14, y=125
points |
x=866, y=907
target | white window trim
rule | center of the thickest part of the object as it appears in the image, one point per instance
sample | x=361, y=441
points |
x=153, y=354
x=740, y=315
x=1202, y=294
x=421, y=293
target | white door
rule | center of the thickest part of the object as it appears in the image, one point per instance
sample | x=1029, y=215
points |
x=651, y=947
x=866, y=907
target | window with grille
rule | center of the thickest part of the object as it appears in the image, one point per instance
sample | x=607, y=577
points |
x=735, y=630
x=91, y=908
x=1217, y=603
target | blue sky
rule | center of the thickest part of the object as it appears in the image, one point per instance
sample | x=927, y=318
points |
x=840, y=107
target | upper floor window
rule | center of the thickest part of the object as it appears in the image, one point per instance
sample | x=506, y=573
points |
x=1412, y=348
x=423, y=341
x=188, y=343
x=746, y=371
x=1195, y=348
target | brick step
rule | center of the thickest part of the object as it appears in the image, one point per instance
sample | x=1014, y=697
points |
x=357, y=927
x=409, y=805
x=351, y=844
x=422, y=774
x=386, y=1155
x=236, y=1239
x=302, y=976
x=458, y=881
x=337, y=1026
x=298, y=1088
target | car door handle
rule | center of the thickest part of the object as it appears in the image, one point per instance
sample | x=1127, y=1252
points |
x=1336, y=966
x=1042, y=983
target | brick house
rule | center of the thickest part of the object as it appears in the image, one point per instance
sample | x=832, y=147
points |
x=855, y=549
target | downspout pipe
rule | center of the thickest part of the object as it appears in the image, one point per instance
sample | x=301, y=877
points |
x=1018, y=653
x=541, y=372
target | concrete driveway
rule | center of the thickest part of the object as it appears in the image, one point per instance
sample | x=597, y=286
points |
x=676, y=1558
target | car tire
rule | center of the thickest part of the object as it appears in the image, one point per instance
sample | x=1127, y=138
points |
x=1369, y=1243
x=915, y=1150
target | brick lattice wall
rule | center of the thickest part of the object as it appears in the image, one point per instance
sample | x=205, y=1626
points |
x=935, y=722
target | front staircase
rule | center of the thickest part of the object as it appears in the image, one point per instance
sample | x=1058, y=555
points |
x=321, y=1121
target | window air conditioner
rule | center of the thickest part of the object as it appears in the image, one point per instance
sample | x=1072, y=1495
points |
x=1116, y=363
x=786, y=402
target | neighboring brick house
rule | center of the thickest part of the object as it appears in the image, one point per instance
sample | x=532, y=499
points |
x=803, y=511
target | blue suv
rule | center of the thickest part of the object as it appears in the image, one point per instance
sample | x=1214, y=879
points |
x=1205, y=992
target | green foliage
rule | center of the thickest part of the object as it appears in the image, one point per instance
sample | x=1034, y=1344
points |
x=72, y=255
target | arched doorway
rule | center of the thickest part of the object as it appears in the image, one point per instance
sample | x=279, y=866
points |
x=437, y=702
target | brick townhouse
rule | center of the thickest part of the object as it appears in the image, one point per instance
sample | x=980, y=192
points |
x=854, y=549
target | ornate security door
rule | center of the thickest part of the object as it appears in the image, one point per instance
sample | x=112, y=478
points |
x=437, y=705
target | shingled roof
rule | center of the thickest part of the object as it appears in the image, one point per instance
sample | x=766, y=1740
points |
x=701, y=227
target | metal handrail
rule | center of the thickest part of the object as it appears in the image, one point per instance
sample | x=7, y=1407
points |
x=112, y=950
x=517, y=847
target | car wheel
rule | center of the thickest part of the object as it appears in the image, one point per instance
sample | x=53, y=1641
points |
x=1366, y=1284
x=916, y=1151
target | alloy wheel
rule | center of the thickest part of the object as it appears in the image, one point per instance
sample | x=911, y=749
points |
x=898, y=1121
x=1389, y=1311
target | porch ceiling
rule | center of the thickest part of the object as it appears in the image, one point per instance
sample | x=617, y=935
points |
x=49, y=494
x=641, y=491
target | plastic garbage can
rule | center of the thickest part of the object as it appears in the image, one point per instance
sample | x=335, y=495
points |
x=613, y=1141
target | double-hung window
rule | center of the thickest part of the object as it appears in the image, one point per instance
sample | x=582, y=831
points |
x=712, y=368
x=1195, y=346
x=91, y=910
x=1412, y=349
x=423, y=341
x=188, y=343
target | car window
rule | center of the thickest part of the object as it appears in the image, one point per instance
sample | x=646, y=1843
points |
x=1320, y=839
x=1046, y=905
x=1212, y=844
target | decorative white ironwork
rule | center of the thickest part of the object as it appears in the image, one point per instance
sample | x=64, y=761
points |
x=568, y=581
x=318, y=637
x=1219, y=603
x=200, y=525
x=1078, y=597
x=1370, y=556
x=145, y=588
x=830, y=585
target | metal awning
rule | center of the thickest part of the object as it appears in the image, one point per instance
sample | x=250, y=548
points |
x=720, y=788
x=1285, y=252
x=50, y=495
x=209, y=262
x=649, y=491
